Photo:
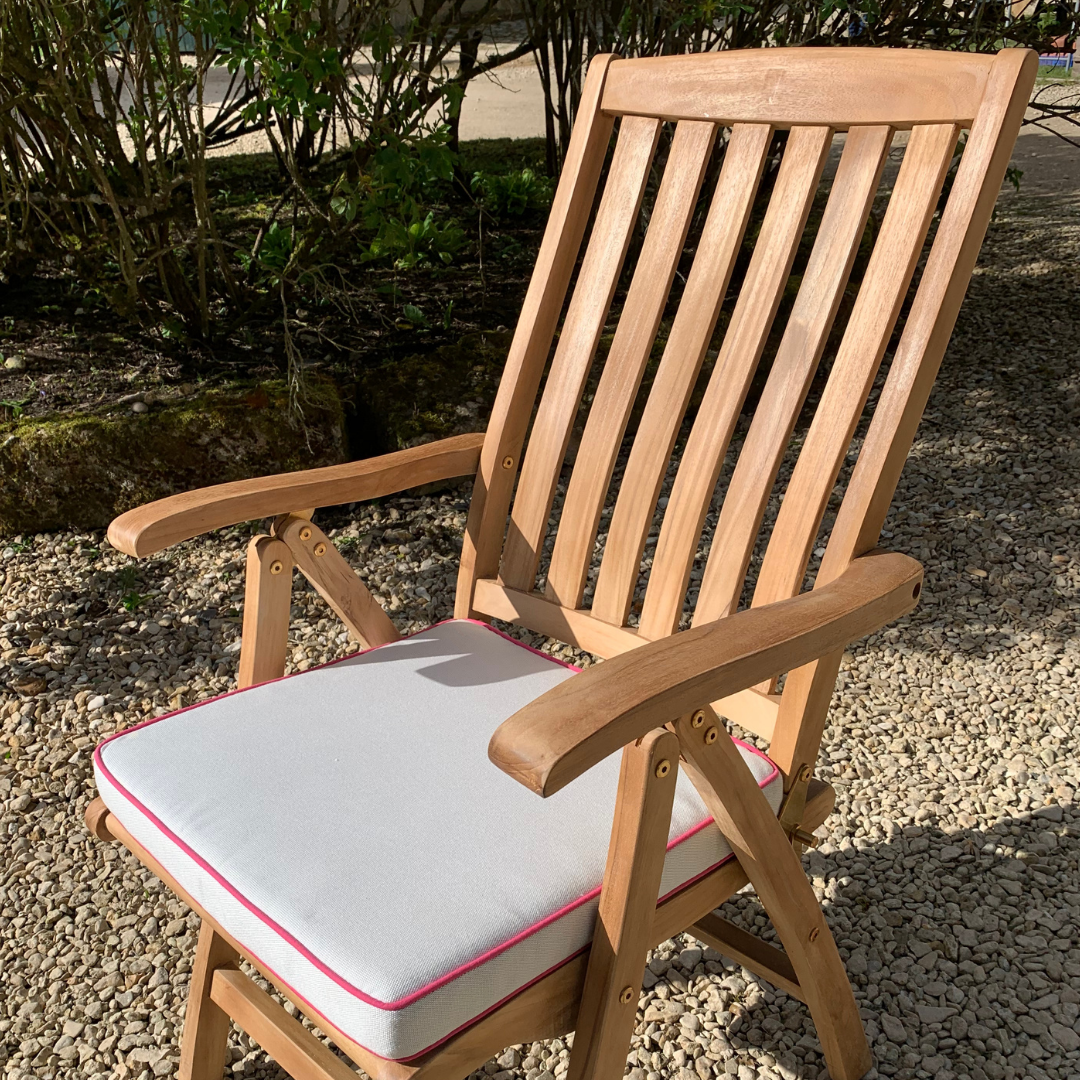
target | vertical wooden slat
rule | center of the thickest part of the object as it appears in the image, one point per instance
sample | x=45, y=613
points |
x=540, y=311
x=881, y=294
x=684, y=352
x=751, y=321
x=822, y=287
x=933, y=312
x=801, y=719
x=578, y=340
x=625, y=364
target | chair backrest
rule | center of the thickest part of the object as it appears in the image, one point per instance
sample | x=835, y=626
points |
x=869, y=94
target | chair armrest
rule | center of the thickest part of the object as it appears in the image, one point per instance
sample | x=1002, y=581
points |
x=555, y=738
x=156, y=525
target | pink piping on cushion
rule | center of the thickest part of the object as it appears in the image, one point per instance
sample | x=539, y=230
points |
x=423, y=991
x=442, y=980
x=316, y=1012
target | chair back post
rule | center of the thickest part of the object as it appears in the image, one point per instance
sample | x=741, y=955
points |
x=808, y=691
x=814, y=94
x=500, y=458
x=866, y=95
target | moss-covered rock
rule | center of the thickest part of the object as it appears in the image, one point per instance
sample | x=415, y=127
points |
x=81, y=471
x=448, y=391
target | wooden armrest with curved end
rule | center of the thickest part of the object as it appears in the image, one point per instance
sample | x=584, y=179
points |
x=555, y=738
x=157, y=525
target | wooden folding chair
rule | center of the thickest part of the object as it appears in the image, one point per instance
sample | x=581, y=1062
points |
x=340, y=829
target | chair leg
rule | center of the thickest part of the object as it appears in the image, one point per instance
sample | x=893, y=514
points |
x=775, y=871
x=206, y=1024
x=635, y=862
x=267, y=596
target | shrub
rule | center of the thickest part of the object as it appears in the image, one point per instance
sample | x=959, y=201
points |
x=104, y=132
x=512, y=194
x=565, y=32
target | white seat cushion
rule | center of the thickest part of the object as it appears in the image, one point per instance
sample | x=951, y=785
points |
x=346, y=826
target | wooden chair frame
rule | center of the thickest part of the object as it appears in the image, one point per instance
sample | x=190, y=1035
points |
x=651, y=697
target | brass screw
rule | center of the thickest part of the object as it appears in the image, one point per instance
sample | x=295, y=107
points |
x=305, y=533
x=627, y=995
x=508, y=462
x=662, y=768
x=804, y=774
x=697, y=719
x=711, y=736
x=320, y=548
x=814, y=934
x=276, y=567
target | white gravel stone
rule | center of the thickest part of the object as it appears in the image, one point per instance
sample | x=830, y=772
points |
x=949, y=872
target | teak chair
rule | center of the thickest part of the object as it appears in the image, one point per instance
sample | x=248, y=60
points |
x=359, y=814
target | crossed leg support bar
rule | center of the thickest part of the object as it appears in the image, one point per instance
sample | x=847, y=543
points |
x=298, y=543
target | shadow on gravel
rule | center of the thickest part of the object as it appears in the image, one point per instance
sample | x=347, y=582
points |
x=962, y=946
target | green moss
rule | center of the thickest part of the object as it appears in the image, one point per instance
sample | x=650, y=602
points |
x=431, y=395
x=82, y=471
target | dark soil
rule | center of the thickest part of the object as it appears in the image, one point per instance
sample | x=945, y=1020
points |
x=69, y=352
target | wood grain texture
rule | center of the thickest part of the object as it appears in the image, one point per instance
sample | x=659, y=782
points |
x=531, y=346
x=284, y=1038
x=545, y=1010
x=95, y=816
x=881, y=292
x=267, y=602
x=755, y=711
x=826, y=87
x=751, y=709
x=158, y=524
x=684, y=352
x=206, y=1024
x=625, y=364
x=570, y=728
x=930, y=321
x=804, y=709
x=764, y=851
x=578, y=339
x=759, y=956
x=335, y=581
x=751, y=321
x=823, y=281
x=622, y=700
x=621, y=938
x=911, y=375
x=577, y=627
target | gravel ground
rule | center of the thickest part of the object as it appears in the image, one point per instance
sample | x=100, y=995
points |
x=949, y=873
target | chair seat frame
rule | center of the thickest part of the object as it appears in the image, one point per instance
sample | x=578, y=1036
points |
x=660, y=695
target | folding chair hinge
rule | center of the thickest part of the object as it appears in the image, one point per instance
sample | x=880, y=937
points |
x=794, y=806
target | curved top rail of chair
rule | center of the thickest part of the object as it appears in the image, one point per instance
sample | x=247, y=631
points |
x=555, y=738
x=157, y=525
x=791, y=87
